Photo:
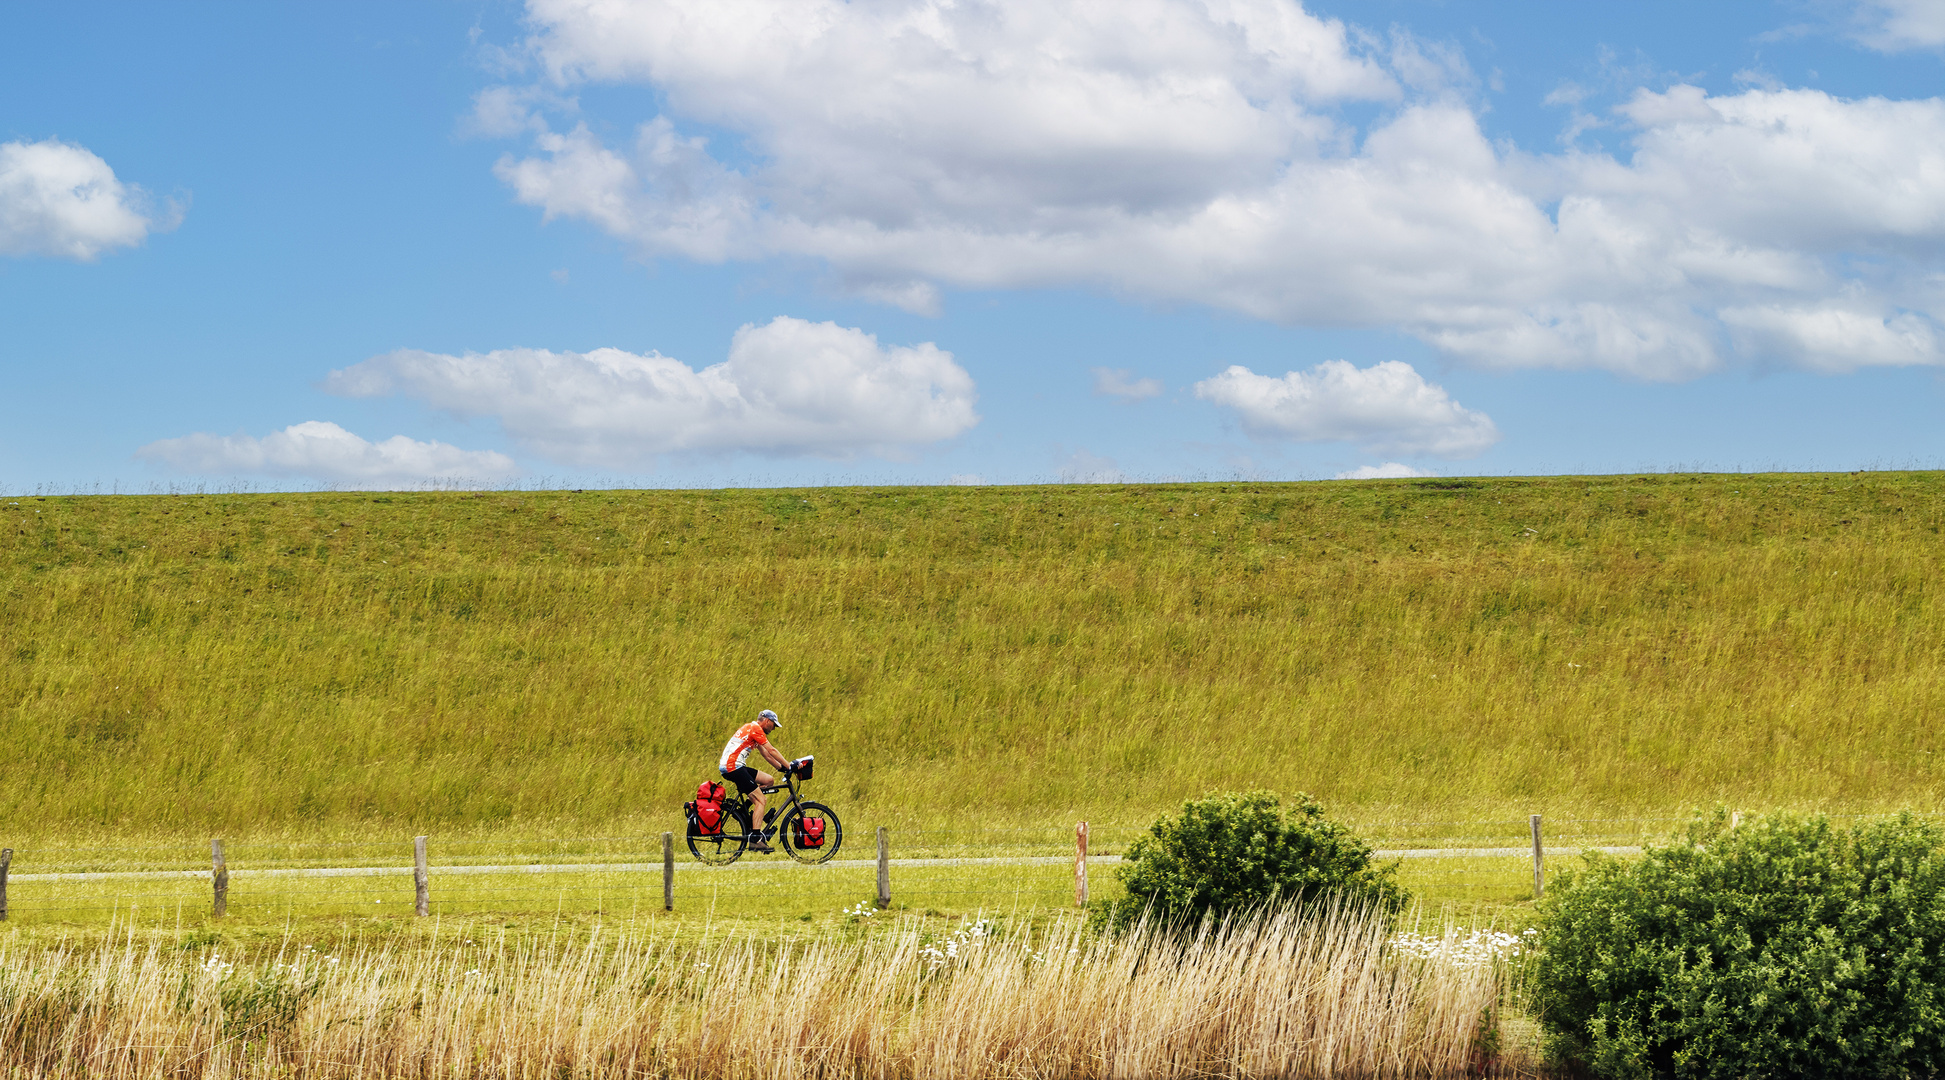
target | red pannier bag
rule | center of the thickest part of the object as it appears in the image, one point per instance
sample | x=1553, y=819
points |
x=707, y=810
x=810, y=832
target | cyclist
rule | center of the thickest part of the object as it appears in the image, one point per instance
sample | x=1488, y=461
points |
x=753, y=736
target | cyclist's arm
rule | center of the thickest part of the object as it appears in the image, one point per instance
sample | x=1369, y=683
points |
x=773, y=756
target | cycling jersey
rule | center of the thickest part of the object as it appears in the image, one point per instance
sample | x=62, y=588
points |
x=747, y=738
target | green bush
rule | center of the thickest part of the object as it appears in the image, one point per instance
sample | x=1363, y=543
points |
x=1230, y=851
x=1783, y=948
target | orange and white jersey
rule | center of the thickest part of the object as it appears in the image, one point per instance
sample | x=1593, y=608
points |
x=747, y=738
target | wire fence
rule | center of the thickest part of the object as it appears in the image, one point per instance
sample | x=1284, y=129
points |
x=927, y=869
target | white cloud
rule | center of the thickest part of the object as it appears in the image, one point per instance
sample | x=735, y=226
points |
x=1835, y=335
x=917, y=297
x=1567, y=93
x=1899, y=25
x=503, y=111
x=671, y=196
x=878, y=119
x=323, y=451
x=61, y=200
x=1387, y=408
x=1082, y=467
x=1121, y=384
x=789, y=387
x=1758, y=78
x=1193, y=150
x=1390, y=470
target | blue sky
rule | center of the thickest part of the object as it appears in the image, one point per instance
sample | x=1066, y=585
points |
x=741, y=242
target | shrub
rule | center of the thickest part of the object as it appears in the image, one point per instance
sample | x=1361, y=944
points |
x=1783, y=948
x=1231, y=851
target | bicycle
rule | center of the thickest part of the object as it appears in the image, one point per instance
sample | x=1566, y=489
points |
x=791, y=823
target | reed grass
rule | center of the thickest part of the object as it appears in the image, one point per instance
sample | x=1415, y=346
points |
x=1277, y=995
x=504, y=665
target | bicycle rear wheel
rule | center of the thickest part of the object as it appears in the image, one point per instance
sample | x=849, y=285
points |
x=796, y=837
x=721, y=848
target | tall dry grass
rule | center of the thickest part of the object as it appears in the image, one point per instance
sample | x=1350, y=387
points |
x=1273, y=996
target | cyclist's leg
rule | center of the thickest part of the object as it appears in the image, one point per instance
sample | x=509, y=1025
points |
x=750, y=782
x=763, y=780
x=744, y=780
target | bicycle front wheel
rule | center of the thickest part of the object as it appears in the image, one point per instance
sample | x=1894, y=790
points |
x=721, y=848
x=805, y=840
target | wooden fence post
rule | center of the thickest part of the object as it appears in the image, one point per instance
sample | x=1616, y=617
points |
x=421, y=878
x=884, y=867
x=220, y=874
x=1080, y=865
x=668, y=871
x=6, y=860
x=1539, y=869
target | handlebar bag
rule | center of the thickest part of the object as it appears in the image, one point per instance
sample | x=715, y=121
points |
x=802, y=766
x=810, y=832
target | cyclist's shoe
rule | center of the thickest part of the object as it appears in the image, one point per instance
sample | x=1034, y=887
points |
x=762, y=845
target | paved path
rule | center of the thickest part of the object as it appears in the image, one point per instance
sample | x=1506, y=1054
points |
x=685, y=864
x=1497, y=852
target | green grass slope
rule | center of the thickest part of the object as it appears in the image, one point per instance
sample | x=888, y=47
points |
x=337, y=663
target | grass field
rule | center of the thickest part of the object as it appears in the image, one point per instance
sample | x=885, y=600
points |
x=509, y=665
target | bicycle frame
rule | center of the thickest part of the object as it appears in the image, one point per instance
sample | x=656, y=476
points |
x=777, y=808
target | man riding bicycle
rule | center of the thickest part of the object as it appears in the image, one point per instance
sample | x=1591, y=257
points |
x=753, y=736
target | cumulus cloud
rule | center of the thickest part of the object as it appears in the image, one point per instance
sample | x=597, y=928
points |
x=669, y=194
x=1835, y=335
x=1197, y=150
x=61, y=200
x=1387, y=408
x=1121, y=384
x=1900, y=25
x=1390, y=470
x=323, y=451
x=789, y=387
x=878, y=120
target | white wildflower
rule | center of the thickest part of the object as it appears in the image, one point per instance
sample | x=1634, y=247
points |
x=1477, y=948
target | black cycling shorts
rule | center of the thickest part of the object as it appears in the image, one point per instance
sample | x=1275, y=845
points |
x=743, y=776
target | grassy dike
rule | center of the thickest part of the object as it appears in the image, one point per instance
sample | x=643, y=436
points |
x=569, y=663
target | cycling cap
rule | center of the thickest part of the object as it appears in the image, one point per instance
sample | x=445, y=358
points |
x=770, y=716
